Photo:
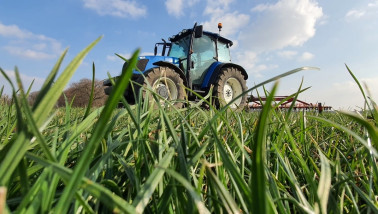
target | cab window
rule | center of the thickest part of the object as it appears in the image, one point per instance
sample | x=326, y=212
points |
x=204, y=54
x=223, y=52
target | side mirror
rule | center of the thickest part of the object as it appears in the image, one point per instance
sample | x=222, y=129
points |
x=198, y=31
x=155, y=50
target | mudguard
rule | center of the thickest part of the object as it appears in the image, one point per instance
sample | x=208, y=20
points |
x=213, y=72
x=174, y=67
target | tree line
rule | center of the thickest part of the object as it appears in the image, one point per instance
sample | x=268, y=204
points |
x=78, y=93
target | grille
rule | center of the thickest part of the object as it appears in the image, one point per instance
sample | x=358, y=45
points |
x=142, y=63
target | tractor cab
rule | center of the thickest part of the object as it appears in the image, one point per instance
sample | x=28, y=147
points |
x=198, y=51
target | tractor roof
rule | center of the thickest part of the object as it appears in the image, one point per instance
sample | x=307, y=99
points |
x=186, y=32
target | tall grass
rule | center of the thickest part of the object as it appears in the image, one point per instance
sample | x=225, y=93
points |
x=159, y=159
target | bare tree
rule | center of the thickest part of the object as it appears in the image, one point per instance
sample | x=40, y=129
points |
x=32, y=97
x=80, y=93
x=5, y=99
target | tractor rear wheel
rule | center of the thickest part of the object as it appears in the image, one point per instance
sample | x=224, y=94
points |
x=230, y=84
x=166, y=83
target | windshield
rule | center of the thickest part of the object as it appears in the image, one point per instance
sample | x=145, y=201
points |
x=180, y=48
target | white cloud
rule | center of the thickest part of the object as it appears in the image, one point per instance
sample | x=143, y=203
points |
x=374, y=4
x=292, y=54
x=355, y=14
x=192, y=2
x=285, y=23
x=246, y=58
x=250, y=62
x=306, y=56
x=217, y=7
x=232, y=23
x=371, y=87
x=25, y=79
x=13, y=31
x=366, y=11
x=28, y=53
x=287, y=54
x=219, y=13
x=29, y=45
x=176, y=7
x=118, y=8
x=347, y=94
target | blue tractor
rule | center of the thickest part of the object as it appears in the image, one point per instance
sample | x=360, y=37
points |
x=195, y=59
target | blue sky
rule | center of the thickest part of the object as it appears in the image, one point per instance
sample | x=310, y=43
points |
x=270, y=37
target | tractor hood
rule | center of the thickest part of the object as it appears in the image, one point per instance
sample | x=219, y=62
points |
x=147, y=62
x=144, y=64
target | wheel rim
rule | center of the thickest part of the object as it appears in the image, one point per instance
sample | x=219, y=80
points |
x=232, y=88
x=166, y=88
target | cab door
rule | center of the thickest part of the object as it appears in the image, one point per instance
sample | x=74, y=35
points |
x=204, y=54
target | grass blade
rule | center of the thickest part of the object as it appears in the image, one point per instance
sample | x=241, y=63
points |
x=98, y=133
x=92, y=92
x=258, y=182
x=324, y=185
x=350, y=132
x=107, y=197
x=17, y=151
x=49, y=99
x=373, y=131
x=245, y=197
x=197, y=199
x=152, y=182
x=3, y=196
x=228, y=202
x=49, y=80
x=360, y=87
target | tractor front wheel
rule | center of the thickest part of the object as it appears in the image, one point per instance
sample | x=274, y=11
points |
x=166, y=83
x=229, y=85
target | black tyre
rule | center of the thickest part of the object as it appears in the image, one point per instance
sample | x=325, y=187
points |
x=166, y=83
x=230, y=84
x=128, y=94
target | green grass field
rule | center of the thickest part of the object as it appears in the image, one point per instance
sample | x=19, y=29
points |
x=159, y=159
